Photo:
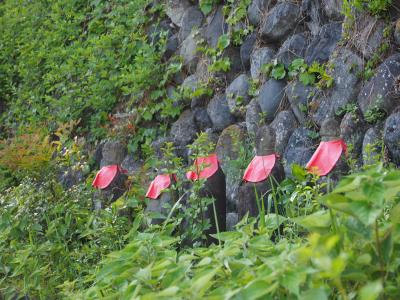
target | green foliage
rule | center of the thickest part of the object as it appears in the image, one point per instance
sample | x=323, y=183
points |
x=206, y=6
x=51, y=239
x=27, y=154
x=316, y=74
x=236, y=17
x=62, y=61
x=375, y=7
x=346, y=252
x=218, y=62
x=374, y=114
x=348, y=108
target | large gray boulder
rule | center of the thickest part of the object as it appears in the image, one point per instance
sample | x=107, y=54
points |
x=391, y=136
x=253, y=117
x=215, y=27
x=314, y=15
x=271, y=96
x=333, y=9
x=219, y=112
x=192, y=18
x=299, y=96
x=246, y=49
x=172, y=46
x=258, y=58
x=175, y=10
x=257, y=9
x=236, y=67
x=382, y=90
x=237, y=95
x=323, y=44
x=299, y=149
x=294, y=47
x=201, y=118
x=346, y=68
x=189, y=53
x=131, y=165
x=190, y=85
x=372, y=146
x=280, y=21
x=284, y=124
x=352, y=131
x=113, y=153
x=228, y=148
x=184, y=130
x=366, y=33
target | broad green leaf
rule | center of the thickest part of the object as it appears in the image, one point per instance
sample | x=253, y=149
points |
x=278, y=72
x=258, y=289
x=374, y=191
x=202, y=281
x=371, y=291
x=395, y=214
x=228, y=235
x=314, y=294
x=205, y=261
x=320, y=220
x=363, y=211
x=299, y=172
x=307, y=78
x=206, y=7
x=273, y=221
x=292, y=281
x=387, y=245
x=348, y=184
x=223, y=41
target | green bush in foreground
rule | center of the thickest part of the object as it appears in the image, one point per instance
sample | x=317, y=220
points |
x=351, y=251
x=51, y=243
x=49, y=237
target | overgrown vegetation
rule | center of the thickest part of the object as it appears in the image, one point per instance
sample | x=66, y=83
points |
x=343, y=244
x=316, y=74
x=375, y=7
x=62, y=61
x=64, y=67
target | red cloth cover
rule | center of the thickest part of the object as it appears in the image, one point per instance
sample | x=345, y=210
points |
x=206, y=165
x=159, y=184
x=259, y=168
x=105, y=176
x=326, y=156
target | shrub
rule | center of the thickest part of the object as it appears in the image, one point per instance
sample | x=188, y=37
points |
x=27, y=154
x=51, y=239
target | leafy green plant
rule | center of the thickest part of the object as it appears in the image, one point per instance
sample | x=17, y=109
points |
x=197, y=204
x=51, y=239
x=27, y=154
x=79, y=59
x=375, y=7
x=374, y=114
x=348, y=108
x=316, y=74
x=349, y=253
x=207, y=6
x=218, y=62
x=236, y=17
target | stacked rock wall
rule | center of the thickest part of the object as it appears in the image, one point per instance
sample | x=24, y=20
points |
x=366, y=107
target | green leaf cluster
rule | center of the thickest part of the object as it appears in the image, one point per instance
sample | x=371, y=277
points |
x=70, y=60
x=316, y=74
